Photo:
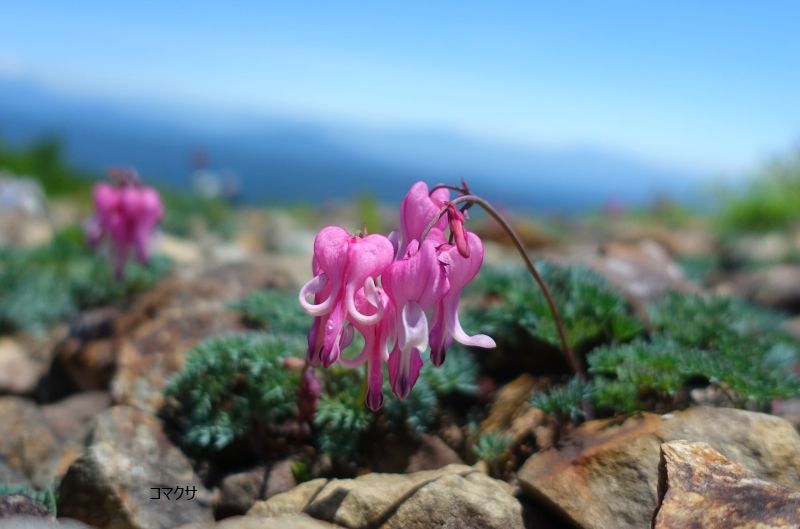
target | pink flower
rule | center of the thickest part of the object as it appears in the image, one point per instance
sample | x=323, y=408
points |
x=446, y=325
x=127, y=214
x=376, y=343
x=342, y=265
x=414, y=284
x=417, y=210
x=385, y=288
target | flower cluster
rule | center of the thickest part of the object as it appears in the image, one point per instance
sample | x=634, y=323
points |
x=126, y=212
x=400, y=292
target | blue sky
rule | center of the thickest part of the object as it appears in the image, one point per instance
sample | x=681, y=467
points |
x=711, y=85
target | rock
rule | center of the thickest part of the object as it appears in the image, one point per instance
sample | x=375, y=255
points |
x=71, y=417
x=26, y=442
x=110, y=485
x=643, y=271
x=605, y=475
x=512, y=401
x=28, y=522
x=238, y=492
x=19, y=372
x=290, y=502
x=431, y=453
x=11, y=476
x=21, y=505
x=454, y=496
x=776, y=286
x=699, y=487
x=295, y=521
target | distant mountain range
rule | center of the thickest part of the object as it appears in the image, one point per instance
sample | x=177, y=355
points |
x=282, y=159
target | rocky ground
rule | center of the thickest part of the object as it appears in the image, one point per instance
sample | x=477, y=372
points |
x=79, y=408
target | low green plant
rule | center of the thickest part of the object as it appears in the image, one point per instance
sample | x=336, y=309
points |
x=274, y=310
x=491, y=446
x=342, y=417
x=43, y=285
x=230, y=384
x=46, y=496
x=768, y=203
x=565, y=402
x=592, y=311
x=699, y=341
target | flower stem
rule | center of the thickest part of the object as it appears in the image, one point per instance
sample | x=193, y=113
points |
x=570, y=357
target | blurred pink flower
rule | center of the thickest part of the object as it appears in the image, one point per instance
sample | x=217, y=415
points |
x=127, y=214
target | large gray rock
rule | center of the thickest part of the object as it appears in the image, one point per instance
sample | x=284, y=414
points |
x=455, y=496
x=111, y=484
x=699, y=487
x=606, y=475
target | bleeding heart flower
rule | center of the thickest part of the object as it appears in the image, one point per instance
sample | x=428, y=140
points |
x=446, y=325
x=342, y=265
x=127, y=215
x=414, y=284
x=418, y=208
x=376, y=346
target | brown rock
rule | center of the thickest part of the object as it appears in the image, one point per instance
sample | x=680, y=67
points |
x=643, y=270
x=26, y=442
x=110, y=484
x=512, y=401
x=454, y=496
x=699, y=487
x=238, y=492
x=431, y=453
x=70, y=417
x=776, y=286
x=19, y=371
x=605, y=475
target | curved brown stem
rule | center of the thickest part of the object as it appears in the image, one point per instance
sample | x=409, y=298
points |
x=572, y=360
x=459, y=189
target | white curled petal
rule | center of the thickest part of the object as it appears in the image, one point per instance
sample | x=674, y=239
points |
x=372, y=296
x=311, y=288
x=414, y=330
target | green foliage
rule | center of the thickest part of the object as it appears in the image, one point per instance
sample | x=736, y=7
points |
x=232, y=383
x=713, y=340
x=369, y=213
x=46, y=496
x=43, y=285
x=418, y=412
x=565, y=403
x=592, y=312
x=44, y=162
x=184, y=213
x=491, y=446
x=770, y=201
x=275, y=310
x=342, y=416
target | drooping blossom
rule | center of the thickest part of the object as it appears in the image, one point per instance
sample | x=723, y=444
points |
x=415, y=284
x=126, y=214
x=388, y=288
x=446, y=325
x=342, y=265
x=417, y=210
x=376, y=346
